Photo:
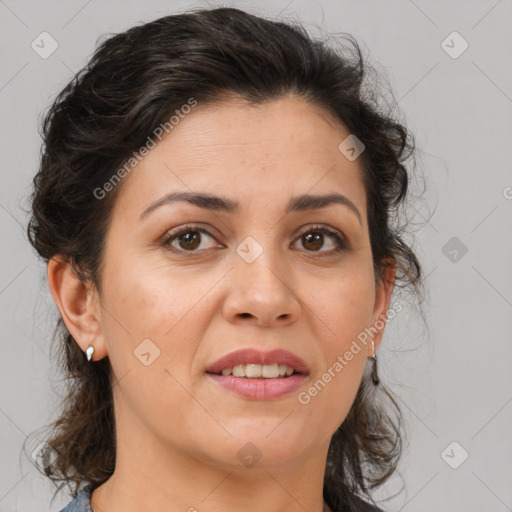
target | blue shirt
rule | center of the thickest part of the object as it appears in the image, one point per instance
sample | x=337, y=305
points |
x=82, y=503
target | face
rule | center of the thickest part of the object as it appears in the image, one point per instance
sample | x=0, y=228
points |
x=185, y=284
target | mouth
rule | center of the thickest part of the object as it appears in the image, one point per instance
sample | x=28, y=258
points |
x=258, y=375
x=259, y=371
x=256, y=364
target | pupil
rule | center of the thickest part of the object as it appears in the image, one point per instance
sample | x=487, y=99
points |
x=316, y=239
x=188, y=238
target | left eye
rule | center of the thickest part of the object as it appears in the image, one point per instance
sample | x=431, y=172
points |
x=313, y=239
x=189, y=239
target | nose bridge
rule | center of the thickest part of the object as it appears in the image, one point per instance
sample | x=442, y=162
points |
x=257, y=262
x=259, y=285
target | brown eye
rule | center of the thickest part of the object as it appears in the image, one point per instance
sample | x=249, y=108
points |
x=188, y=239
x=315, y=239
x=191, y=238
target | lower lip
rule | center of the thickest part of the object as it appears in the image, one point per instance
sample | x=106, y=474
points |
x=260, y=389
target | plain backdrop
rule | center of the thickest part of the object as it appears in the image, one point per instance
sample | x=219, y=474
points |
x=454, y=380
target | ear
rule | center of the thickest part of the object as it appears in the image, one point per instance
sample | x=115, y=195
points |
x=79, y=306
x=384, y=288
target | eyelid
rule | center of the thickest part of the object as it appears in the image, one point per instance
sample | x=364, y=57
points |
x=202, y=228
x=312, y=227
x=339, y=238
x=194, y=226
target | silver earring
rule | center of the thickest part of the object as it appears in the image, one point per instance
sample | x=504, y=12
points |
x=375, y=375
x=89, y=352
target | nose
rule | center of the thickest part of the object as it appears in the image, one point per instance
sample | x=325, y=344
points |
x=260, y=294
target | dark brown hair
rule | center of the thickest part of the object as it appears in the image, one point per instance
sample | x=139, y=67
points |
x=132, y=84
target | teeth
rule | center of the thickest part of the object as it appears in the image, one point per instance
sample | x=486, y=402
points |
x=239, y=370
x=270, y=371
x=253, y=371
x=257, y=371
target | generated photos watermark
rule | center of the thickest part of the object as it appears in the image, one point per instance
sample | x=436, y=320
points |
x=304, y=397
x=158, y=133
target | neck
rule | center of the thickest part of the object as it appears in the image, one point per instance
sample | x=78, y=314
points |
x=152, y=474
x=214, y=489
x=148, y=477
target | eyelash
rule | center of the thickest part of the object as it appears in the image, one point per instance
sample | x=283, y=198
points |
x=319, y=228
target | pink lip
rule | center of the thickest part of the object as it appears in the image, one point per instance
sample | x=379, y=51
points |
x=260, y=389
x=254, y=356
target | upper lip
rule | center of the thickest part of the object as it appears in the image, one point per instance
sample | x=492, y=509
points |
x=254, y=356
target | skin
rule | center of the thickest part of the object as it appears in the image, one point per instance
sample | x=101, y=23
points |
x=178, y=433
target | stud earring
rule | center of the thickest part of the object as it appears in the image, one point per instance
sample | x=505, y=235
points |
x=89, y=352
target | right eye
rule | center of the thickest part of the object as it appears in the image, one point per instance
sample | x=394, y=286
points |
x=187, y=239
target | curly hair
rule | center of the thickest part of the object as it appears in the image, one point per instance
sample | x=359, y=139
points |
x=134, y=82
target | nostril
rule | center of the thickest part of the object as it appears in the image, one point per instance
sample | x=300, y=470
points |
x=245, y=315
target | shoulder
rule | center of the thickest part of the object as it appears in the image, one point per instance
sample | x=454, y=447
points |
x=81, y=502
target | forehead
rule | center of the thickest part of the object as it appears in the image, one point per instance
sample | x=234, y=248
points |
x=256, y=154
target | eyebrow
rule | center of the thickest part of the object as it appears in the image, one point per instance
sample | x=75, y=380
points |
x=211, y=202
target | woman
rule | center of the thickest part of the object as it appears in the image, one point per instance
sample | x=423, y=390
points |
x=215, y=204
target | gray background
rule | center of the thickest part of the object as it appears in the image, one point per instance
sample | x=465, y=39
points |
x=454, y=382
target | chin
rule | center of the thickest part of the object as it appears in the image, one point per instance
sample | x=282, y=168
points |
x=263, y=448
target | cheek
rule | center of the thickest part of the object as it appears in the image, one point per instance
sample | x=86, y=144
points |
x=344, y=312
x=164, y=306
x=345, y=305
x=151, y=328
x=330, y=394
x=152, y=301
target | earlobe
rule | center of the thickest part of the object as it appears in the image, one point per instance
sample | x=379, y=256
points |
x=73, y=297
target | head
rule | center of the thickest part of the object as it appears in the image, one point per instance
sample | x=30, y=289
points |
x=280, y=238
